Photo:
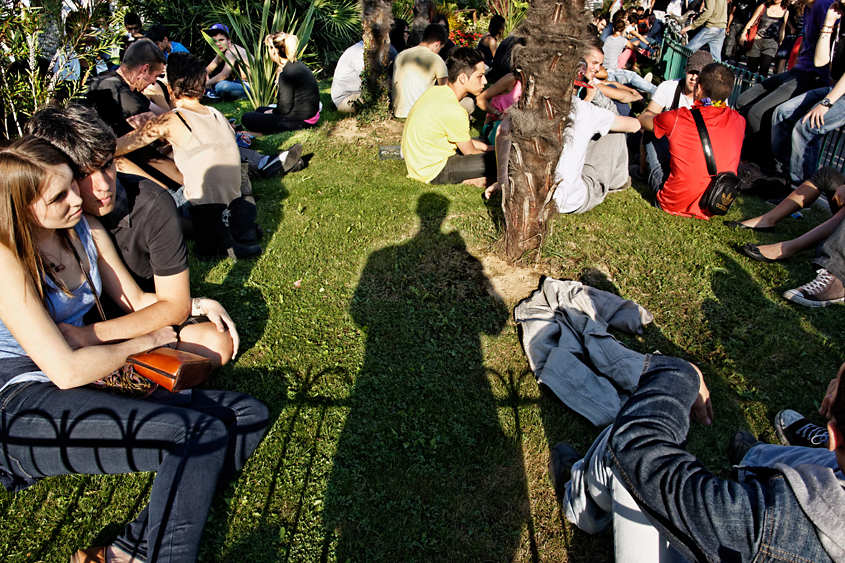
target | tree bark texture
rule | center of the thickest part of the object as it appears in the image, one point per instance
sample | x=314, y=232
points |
x=423, y=12
x=554, y=40
x=377, y=18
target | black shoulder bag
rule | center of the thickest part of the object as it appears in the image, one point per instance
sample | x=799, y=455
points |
x=724, y=186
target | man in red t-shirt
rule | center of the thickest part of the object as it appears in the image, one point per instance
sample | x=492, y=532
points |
x=685, y=171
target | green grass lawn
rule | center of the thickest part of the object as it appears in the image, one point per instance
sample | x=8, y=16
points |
x=406, y=425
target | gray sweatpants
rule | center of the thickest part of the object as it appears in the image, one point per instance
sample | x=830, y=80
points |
x=605, y=169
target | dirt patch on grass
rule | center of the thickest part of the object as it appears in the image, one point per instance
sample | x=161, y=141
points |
x=512, y=282
x=348, y=130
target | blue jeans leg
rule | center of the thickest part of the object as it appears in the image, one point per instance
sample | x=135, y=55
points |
x=784, y=118
x=657, y=157
x=705, y=518
x=714, y=37
x=632, y=79
x=230, y=89
x=807, y=140
x=204, y=437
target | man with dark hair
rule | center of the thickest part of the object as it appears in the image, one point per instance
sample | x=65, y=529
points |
x=228, y=83
x=142, y=221
x=133, y=26
x=679, y=176
x=438, y=125
x=117, y=97
x=417, y=69
x=159, y=35
x=787, y=504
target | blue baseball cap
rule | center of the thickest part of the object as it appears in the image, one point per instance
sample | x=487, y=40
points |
x=216, y=29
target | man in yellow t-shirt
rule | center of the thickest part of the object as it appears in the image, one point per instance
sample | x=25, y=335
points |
x=438, y=126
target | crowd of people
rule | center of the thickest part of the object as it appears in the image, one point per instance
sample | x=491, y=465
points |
x=99, y=198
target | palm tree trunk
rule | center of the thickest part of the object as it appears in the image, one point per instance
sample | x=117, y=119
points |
x=554, y=34
x=377, y=18
x=423, y=12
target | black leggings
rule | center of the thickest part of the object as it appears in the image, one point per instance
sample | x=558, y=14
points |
x=763, y=62
x=269, y=123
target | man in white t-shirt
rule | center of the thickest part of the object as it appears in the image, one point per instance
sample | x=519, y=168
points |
x=671, y=94
x=346, y=83
x=418, y=69
x=590, y=169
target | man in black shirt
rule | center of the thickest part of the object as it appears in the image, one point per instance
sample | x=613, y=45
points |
x=117, y=97
x=144, y=225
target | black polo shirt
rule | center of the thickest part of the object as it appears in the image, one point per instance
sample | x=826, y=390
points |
x=146, y=230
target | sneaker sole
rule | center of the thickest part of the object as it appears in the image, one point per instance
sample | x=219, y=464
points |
x=292, y=158
x=779, y=429
x=797, y=297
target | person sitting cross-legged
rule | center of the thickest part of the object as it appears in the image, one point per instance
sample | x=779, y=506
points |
x=437, y=127
x=417, y=69
x=787, y=503
x=677, y=169
x=588, y=168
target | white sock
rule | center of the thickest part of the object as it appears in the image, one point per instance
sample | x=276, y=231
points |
x=263, y=161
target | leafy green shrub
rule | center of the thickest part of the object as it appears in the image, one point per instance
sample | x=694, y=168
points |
x=257, y=68
x=30, y=74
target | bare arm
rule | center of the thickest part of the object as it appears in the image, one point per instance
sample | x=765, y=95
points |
x=222, y=75
x=474, y=147
x=743, y=37
x=170, y=305
x=167, y=126
x=442, y=81
x=35, y=331
x=625, y=125
x=646, y=118
x=822, y=55
x=782, y=32
x=503, y=85
x=623, y=96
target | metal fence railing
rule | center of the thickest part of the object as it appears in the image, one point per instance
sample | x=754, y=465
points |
x=675, y=56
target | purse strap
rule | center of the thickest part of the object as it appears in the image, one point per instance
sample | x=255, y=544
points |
x=705, y=141
x=88, y=280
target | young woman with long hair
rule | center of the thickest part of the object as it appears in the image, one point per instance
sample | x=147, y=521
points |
x=52, y=421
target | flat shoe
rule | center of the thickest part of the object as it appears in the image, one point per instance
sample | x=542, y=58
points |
x=740, y=227
x=754, y=252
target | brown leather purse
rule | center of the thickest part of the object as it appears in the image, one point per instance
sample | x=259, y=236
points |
x=174, y=370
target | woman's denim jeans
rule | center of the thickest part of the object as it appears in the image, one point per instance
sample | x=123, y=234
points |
x=194, y=441
x=703, y=517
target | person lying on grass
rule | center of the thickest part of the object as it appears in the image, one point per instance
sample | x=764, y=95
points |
x=786, y=504
x=53, y=263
